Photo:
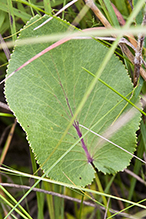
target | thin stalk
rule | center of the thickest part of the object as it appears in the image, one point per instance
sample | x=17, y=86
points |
x=62, y=204
x=49, y=199
x=71, y=186
x=111, y=14
x=6, y=114
x=40, y=198
x=64, y=3
x=57, y=202
x=136, y=169
x=31, y=9
x=12, y=20
x=7, y=144
x=101, y=190
x=81, y=207
x=11, y=197
x=9, y=204
x=125, y=98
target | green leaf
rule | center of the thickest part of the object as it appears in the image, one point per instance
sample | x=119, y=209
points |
x=43, y=94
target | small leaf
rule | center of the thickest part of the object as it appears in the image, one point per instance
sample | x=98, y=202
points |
x=44, y=95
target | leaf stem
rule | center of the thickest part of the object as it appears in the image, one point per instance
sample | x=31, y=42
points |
x=76, y=125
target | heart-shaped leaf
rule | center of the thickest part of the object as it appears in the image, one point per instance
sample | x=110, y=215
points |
x=45, y=94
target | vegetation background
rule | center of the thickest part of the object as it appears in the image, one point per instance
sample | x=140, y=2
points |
x=49, y=199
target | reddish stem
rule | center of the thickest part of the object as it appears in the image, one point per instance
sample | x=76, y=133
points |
x=90, y=159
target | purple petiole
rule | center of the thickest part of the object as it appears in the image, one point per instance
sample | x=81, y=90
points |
x=76, y=125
